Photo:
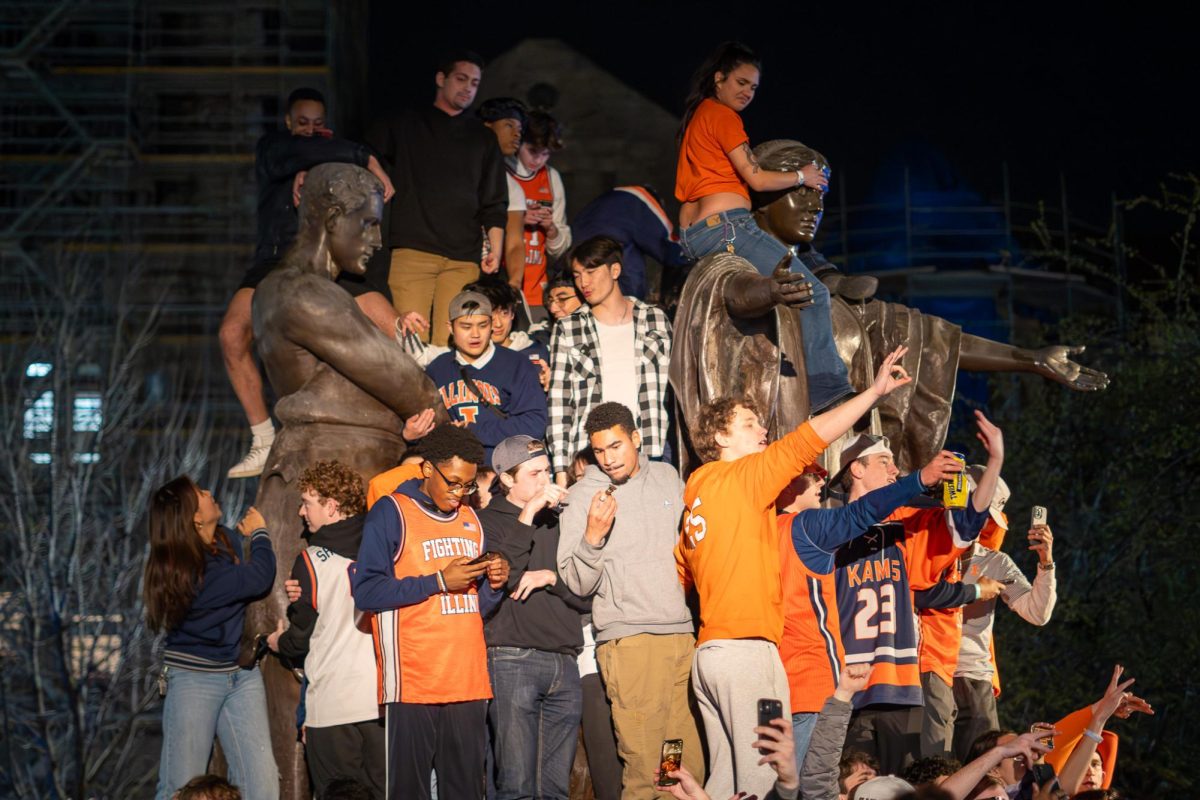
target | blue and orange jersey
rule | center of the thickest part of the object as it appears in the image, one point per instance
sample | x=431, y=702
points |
x=876, y=576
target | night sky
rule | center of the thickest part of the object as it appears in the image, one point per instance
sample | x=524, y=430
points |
x=1107, y=98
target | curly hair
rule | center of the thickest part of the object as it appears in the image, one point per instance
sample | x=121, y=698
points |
x=609, y=415
x=929, y=769
x=333, y=480
x=208, y=787
x=716, y=417
x=448, y=441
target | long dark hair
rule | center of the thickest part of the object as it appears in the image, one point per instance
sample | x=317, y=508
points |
x=175, y=564
x=725, y=59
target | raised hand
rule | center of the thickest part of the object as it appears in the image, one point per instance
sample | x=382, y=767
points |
x=1054, y=362
x=891, y=376
x=852, y=680
x=1041, y=541
x=991, y=436
x=1114, y=697
x=601, y=513
x=251, y=522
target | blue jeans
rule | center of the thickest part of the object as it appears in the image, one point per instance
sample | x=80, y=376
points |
x=828, y=379
x=229, y=705
x=802, y=731
x=534, y=721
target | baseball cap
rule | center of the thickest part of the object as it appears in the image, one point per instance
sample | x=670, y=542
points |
x=887, y=787
x=469, y=304
x=861, y=446
x=974, y=474
x=515, y=451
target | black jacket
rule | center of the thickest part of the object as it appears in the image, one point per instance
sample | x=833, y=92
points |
x=341, y=537
x=277, y=158
x=549, y=619
x=449, y=178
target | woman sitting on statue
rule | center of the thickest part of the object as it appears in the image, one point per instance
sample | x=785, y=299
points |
x=196, y=588
x=716, y=172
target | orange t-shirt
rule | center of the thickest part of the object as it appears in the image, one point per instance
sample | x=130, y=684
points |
x=941, y=635
x=704, y=167
x=385, y=483
x=729, y=546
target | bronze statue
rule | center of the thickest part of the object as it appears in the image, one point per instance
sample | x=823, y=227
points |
x=344, y=391
x=735, y=333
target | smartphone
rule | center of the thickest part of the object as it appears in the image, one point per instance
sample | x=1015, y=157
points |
x=769, y=710
x=1048, y=730
x=1038, y=516
x=546, y=203
x=671, y=760
x=486, y=556
x=1043, y=774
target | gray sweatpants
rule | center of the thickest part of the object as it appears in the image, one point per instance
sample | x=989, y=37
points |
x=729, y=677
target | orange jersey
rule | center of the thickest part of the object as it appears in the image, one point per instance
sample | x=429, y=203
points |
x=704, y=167
x=941, y=635
x=537, y=191
x=433, y=651
x=385, y=483
x=811, y=648
x=729, y=546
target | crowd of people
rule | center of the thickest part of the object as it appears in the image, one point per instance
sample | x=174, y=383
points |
x=538, y=576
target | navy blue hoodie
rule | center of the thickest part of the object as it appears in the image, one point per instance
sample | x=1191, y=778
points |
x=209, y=635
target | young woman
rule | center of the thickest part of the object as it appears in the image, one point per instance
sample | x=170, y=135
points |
x=196, y=588
x=717, y=171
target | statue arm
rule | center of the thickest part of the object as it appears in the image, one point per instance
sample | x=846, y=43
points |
x=324, y=320
x=1054, y=362
x=749, y=295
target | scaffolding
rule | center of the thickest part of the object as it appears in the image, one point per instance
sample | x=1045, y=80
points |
x=127, y=134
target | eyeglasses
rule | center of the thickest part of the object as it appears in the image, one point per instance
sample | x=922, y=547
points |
x=456, y=488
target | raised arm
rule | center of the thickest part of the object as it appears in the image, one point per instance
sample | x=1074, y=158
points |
x=765, y=180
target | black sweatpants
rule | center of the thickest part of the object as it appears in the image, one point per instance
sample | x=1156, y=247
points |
x=889, y=733
x=356, y=750
x=599, y=741
x=448, y=738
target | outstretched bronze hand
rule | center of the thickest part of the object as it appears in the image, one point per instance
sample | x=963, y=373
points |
x=751, y=295
x=1054, y=362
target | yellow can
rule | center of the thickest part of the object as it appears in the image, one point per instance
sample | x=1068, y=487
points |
x=955, y=491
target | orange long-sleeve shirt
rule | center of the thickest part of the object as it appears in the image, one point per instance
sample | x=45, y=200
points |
x=729, y=546
x=385, y=483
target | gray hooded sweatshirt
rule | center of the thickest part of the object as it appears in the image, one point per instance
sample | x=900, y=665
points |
x=631, y=576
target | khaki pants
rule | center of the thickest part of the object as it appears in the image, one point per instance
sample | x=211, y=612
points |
x=731, y=676
x=646, y=678
x=427, y=283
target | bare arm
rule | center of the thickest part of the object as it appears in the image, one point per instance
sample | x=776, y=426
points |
x=833, y=423
x=962, y=782
x=514, y=248
x=764, y=180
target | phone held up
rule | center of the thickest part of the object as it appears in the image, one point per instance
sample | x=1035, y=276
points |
x=1038, y=516
x=671, y=760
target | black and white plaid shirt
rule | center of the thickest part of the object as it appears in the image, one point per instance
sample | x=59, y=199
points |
x=575, y=380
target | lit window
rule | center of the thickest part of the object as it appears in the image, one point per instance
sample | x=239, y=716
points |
x=39, y=458
x=39, y=416
x=86, y=458
x=38, y=369
x=88, y=415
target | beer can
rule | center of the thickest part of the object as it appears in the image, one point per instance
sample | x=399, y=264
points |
x=954, y=490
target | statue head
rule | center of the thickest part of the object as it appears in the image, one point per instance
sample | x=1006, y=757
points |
x=341, y=206
x=790, y=215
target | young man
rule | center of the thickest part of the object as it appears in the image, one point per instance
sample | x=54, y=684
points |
x=505, y=117
x=279, y=156
x=493, y=391
x=562, y=298
x=634, y=216
x=546, y=234
x=729, y=553
x=615, y=350
x=876, y=604
x=506, y=301
x=415, y=574
x=344, y=734
x=451, y=178
x=536, y=635
x=811, y=647
x=618, y=532
x=976, y=681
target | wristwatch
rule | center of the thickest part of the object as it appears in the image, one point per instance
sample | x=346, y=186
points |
x=1047, y=565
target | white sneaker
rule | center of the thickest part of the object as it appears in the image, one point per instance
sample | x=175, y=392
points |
x=255, y=461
